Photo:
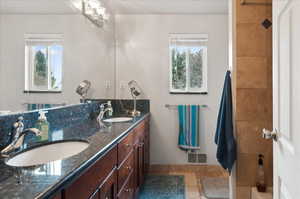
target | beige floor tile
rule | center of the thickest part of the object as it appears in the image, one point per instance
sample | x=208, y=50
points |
x=191, y=180
x=192, y=192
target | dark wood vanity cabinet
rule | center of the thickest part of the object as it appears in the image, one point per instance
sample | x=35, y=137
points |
x=120, y=173
x=147, y=147
x=142, y=154
x=89, y=182
x=108, y=190
x=57, y=196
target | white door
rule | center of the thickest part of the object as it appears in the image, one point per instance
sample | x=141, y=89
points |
x=286, y=106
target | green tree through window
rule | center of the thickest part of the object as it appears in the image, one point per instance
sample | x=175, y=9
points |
x=196, y=68
x=40, y=66
x=188, y=67
x=178, y=69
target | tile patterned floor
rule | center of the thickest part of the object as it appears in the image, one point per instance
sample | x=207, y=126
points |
x=192, y=174
x=163, y=187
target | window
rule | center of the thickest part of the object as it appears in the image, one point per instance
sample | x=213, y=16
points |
x=188, y=63
x=43, y=63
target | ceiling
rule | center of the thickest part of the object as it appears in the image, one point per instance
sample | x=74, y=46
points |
x=117, y=6
x=36, y=7
x=169, y=6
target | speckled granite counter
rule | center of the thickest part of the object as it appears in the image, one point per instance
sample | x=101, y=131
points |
x=45, y=180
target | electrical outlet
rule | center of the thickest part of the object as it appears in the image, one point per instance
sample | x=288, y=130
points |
x=123, y=85
x=107, y=84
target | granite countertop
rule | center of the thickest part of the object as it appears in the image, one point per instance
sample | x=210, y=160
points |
x=45, y=180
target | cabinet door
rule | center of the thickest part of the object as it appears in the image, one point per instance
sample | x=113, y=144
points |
x=147, y=153
x=89, y=182
x=141, y=160
x=108, y=189
x=125, y=147
x=127, y=191
x=125, y=169
x=135, y=174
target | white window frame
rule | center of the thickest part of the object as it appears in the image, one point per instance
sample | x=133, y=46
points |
x=40, y=39
x=188, y=90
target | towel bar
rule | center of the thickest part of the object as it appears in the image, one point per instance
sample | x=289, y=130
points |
x=175, y=106
x=62, y=104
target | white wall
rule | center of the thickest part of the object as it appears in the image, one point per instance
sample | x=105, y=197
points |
x=142, y=54
x=89, y=53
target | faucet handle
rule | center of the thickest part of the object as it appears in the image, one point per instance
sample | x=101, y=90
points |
x=102, y=107
x=19, y=122
x=111, y=110
x=21, y=118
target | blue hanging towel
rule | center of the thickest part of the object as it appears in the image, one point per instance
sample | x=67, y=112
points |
x=224, y=138
x=188, y=138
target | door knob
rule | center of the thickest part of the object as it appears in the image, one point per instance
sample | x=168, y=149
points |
x=267, y=134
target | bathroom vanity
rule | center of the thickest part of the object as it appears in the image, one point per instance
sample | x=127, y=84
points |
x=113, y=165
x=118, y=173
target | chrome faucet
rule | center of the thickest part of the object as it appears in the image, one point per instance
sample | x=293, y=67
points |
x=103, y=110
x=18, y=139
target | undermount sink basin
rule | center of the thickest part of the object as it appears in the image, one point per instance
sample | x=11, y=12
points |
x=118, y=119
x=47, y=153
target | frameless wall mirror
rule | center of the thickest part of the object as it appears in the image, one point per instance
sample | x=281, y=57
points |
x=188, y=63
x=47, y=48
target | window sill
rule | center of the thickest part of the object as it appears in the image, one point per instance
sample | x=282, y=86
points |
x=42, y=91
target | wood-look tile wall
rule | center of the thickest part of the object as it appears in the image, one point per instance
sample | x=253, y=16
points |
x=253, y=92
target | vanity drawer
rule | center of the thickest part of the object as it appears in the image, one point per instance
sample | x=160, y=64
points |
x=125, y=169
x=125, y=147
x=89, y=182
x=127, y=191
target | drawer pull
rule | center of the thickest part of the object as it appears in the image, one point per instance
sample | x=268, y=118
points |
x=128, y=145
x=127, y=190
x=128, y=167
x=142, y=144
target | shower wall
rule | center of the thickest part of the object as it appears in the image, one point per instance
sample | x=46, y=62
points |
x=253, y=92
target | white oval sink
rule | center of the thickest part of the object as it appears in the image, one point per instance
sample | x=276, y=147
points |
x=47, y=153
x=118, y=119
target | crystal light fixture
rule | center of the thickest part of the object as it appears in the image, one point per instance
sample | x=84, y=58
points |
x=95, y=12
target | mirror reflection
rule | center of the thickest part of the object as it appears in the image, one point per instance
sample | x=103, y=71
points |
x=43, y=63
x=48, y=48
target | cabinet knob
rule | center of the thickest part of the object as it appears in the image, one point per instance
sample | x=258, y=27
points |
x=128, y=145
x=128, y=167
